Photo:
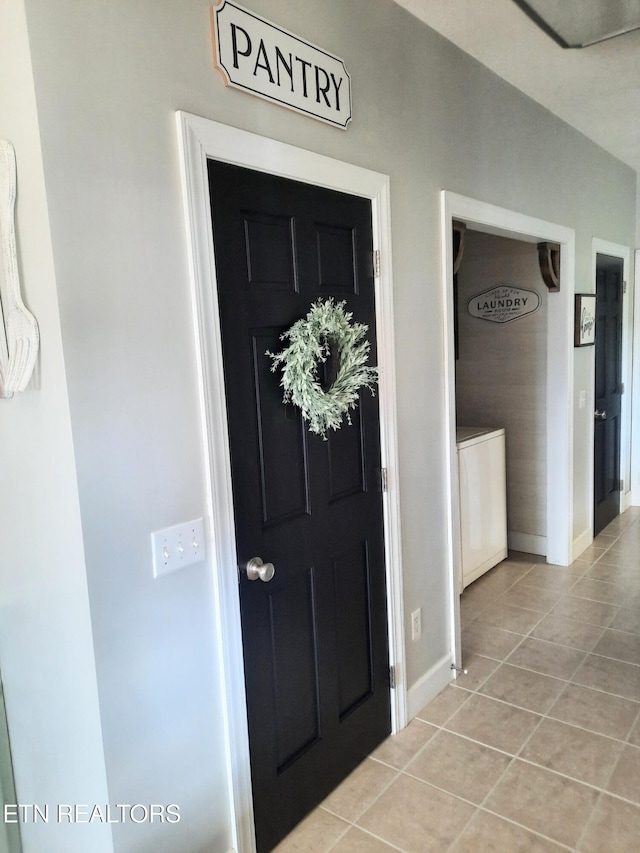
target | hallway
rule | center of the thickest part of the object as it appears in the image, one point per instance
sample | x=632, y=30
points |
x=538, y=748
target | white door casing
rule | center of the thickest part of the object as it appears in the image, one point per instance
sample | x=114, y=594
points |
x=200, y=139
x=635, y=394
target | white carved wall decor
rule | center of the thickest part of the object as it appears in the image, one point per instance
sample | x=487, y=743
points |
x=19, y=336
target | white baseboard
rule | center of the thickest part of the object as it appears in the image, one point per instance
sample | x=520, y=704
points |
x=582, y=542
x=429, y=685
x=527, y=543
x=627, y=501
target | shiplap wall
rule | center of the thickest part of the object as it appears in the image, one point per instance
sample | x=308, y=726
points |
x=501, y=376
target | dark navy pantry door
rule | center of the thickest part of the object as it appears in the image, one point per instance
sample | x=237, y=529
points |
x=315, y=636
x=608, y=390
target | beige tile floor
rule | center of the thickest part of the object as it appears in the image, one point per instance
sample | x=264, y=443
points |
x=537, y=749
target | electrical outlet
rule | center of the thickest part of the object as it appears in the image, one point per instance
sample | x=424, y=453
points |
x=177, y=547
x=416, y=625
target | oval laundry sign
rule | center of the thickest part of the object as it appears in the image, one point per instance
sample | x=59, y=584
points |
x=504, y=304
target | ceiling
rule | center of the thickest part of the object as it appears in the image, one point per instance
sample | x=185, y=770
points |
x=596, y=89
x=578, y=23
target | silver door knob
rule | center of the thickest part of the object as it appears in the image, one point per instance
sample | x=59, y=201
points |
x=257, y=570
x=600, y=416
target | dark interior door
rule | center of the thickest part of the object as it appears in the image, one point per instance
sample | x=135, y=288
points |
x=315, y=636
x=608, y=391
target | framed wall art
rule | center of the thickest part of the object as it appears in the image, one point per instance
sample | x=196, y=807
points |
x=585, y=320
x=19, y=336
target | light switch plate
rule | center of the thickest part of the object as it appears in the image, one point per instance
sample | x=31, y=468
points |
x=176, y=547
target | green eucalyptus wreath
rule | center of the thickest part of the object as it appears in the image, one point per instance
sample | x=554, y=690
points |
x=311, y=342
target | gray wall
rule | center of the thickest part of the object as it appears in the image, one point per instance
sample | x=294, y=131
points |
x=46, y=645
x=108, y=79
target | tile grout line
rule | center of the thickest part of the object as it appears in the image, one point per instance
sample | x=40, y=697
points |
x=368, y=832
x=570, y=681
x=383, y=789
x=548, y=714
x=442, y=726
x=518, y=756
x=535, y=832
x=621, y=564
x=632, y=728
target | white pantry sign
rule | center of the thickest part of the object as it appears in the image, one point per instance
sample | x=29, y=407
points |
x=268, y=61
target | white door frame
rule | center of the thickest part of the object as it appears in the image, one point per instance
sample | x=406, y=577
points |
x=201, y=139
x=508, y=223
x=615, y=250
x=635, y=379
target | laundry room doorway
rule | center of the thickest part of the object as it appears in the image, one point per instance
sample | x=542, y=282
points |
x=534, y=337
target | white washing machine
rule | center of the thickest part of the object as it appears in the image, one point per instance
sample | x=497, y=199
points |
x=482, y=481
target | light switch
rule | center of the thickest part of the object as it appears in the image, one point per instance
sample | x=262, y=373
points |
x=176, y=547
